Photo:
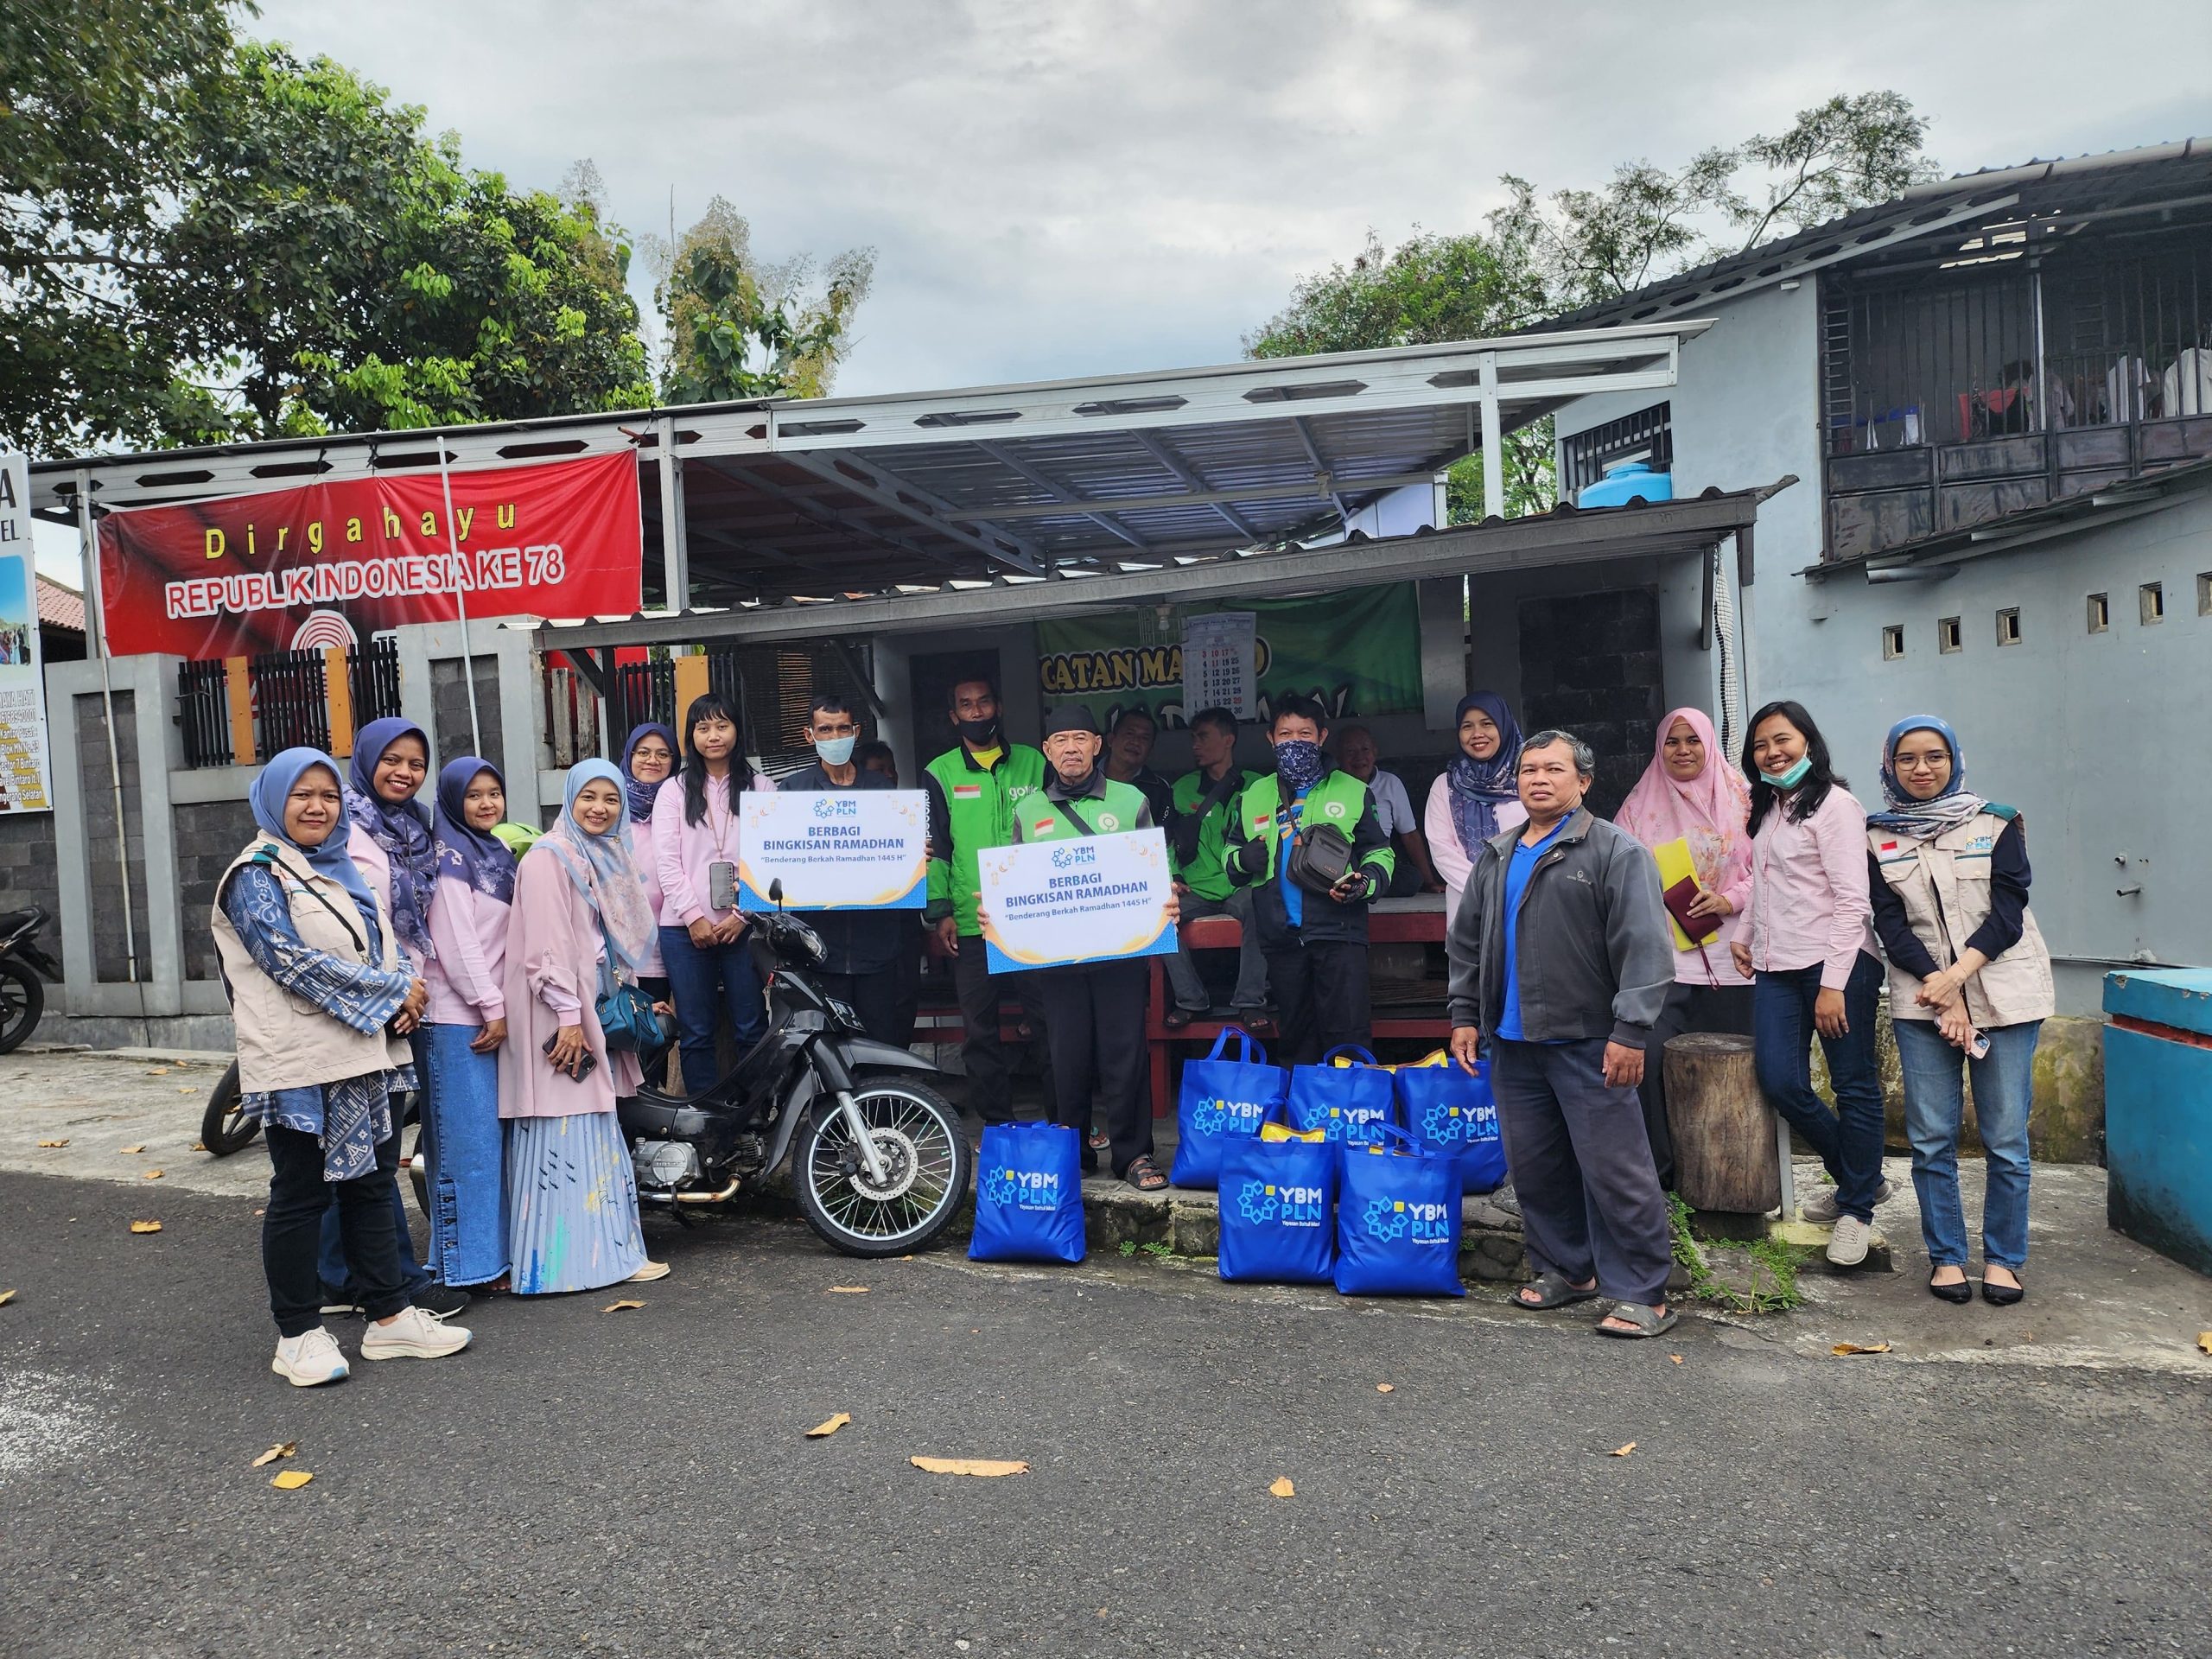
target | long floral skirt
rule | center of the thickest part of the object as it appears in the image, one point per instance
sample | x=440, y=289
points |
x=573, y=1196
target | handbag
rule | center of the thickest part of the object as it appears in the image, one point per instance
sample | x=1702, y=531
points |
x=1319, y=855
x=1028, y=1194
x=1220, y=1102
x=1278, y=1198
x=1397, y=1220
x=1450, y=1111
x=1345, y=1101
x=628, y=1022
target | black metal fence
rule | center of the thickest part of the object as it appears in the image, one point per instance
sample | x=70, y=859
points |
x=769, y=685
x=289, y=698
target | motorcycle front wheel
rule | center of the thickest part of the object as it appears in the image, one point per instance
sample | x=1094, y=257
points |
x=22, y=999
x=223, y=1128
x=927, y=1164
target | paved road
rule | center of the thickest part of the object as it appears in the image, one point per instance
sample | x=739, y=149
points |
x=637, y=1483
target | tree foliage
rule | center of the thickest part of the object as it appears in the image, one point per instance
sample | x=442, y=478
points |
x=735, y=327
x=222, y=241
x=1541, y=255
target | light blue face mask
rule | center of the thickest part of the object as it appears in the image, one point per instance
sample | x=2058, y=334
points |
x=1792, y=777
x=835, y=751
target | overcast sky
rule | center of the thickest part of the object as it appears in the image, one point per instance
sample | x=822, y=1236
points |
x=1094, y=185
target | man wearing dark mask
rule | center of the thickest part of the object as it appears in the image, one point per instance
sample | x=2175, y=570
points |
x=1301, y=821
x=863, y=945
x=973, y=789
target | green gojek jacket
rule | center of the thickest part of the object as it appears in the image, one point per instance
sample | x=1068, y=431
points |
x=972, y=808
x=1211, y=836
x=1338, y=799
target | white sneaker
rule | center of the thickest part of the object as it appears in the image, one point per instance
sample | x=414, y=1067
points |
x=1820, y=1207
x=650, y=1272
x=310, y=1359
x=1847, y=1244
x=414, y=1335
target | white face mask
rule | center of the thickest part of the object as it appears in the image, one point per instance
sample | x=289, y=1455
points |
x=835, y=751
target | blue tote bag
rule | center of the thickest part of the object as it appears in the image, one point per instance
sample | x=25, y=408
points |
x=1278, y=1196
x=1450, y=1111
x=1028, y=1194
x=1347, y=1101
x=1222, y=1101
x=1397, y=1220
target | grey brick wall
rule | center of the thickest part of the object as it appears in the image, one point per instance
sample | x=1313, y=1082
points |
x=450, y=700
x=111, y=956
x=1589, y=665
x=208, y=836
x=26, y=871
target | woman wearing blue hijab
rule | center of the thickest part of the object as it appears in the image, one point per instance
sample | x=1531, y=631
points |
x=1970, y=986
x=322, y=999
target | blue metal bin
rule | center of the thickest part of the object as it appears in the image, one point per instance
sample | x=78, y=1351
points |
x=2158, y=1110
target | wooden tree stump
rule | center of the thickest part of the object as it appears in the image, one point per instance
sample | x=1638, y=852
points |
x=1723, y=1128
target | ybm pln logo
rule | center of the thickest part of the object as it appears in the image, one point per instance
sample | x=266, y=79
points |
x=1067, y=858
x=1022, y=1189
x=1220, y=1116
x=1293, y=1206
x=836, y=806
x=1424, y=1223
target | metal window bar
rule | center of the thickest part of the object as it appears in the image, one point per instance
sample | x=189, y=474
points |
x=1648, y=432
x=203, y=712
x=770, y=685
x=288, y=690
x=289, y=704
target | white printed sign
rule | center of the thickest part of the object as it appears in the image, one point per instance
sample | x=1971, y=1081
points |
x=834, y=849
x=26, y=781
x=1047, y=904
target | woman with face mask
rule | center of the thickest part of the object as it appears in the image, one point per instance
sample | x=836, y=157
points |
x=1970, y=986
x=1475, y=796
x=1808, y=951
x=648, y=761
x=320, y=998
x=468, y=1026
x=1692, y=809
x=580, y=923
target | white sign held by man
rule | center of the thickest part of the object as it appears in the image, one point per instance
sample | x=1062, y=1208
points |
x=26, y=782
x=1049, y=903
x=834, y=849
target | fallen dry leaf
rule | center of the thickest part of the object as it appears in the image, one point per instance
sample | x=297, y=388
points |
x=62, y=1142
x=291, y=1480
x=199, y=1146
x=140, y=1148
x=6, y=1297
x=184, y=1089
x=985, y=1467
x=1862, y=1348
x=616, y=1307
x=849, y=1290
x=1282, y=1488
x=1677, y=1358
x=822, y=1431
x=145, y=1226
x=2204, y=1341
x=1622, y=1451
x=276, y=1451
x=150, y=1174
x=1386, y=1387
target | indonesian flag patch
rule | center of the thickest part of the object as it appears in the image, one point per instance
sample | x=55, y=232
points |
x=966, y=791
x=1040, y=826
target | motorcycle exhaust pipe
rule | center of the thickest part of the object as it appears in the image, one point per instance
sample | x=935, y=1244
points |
x=708, y=1198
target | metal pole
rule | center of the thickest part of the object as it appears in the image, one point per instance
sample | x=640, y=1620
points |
x=1493, y=442
x=88, y=543
x=460, y=597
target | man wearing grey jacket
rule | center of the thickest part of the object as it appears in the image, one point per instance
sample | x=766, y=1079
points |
x=1561, y=957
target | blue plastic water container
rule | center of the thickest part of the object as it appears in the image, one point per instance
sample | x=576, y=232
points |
x=2159, y=1110
x=1627, y=481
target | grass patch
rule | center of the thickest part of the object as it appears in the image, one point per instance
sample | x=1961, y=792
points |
x=1772, y=1287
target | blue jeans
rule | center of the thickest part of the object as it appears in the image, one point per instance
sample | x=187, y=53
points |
x=707, y=983
x=2003, y=1085
x=1848, y=1139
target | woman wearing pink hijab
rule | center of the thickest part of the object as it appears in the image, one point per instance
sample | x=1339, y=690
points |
x=1690, y=794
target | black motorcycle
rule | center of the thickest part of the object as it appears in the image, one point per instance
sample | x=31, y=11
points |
x=878, y=1160
x=23, y=993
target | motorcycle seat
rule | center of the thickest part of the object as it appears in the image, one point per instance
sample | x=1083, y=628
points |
x=11, y=920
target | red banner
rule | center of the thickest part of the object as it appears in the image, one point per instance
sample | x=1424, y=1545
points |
x=331, y=563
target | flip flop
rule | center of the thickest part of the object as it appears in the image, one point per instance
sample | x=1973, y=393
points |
x=1649, y=1322
x=1552, y=1290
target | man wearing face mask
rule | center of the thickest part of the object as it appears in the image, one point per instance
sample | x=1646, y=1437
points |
x=974, y=788
x=863, y=945
x=1314, y=936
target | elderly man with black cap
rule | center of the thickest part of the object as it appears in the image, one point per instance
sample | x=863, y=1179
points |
x=1094, y=1011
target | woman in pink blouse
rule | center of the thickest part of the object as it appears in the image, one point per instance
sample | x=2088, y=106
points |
x=467, y=1024
x=1692, y=793
x=1809, y=952
x=648, y=759
x=702, y=945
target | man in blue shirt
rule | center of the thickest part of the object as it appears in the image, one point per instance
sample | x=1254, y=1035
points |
x=1561, y=952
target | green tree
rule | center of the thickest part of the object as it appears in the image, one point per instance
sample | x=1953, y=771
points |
x=737, y=328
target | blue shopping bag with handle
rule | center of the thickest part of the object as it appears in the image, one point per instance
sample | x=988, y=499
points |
x=1028, y=1194
x=1450, y=1110
x=1222, y=1101
x=1346, y=1100
x=1278, y=1199
x=1397, y=1219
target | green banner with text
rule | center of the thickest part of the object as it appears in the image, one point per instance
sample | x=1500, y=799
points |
x=1359, y=652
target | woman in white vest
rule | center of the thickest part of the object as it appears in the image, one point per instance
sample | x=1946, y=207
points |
x=322, y=1001
x=1970, y=986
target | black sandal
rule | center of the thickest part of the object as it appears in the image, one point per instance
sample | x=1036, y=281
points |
x=1553, y=1290
x=1144, y=1175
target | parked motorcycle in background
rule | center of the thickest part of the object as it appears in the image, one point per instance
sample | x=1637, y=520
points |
x=24, y=968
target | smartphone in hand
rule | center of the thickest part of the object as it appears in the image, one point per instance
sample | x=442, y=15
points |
x=586, y=1062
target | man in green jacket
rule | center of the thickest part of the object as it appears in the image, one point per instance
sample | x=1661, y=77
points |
x=973, y=791
x=1094, y=1011
x=1315, y=940
x=1200, y=830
